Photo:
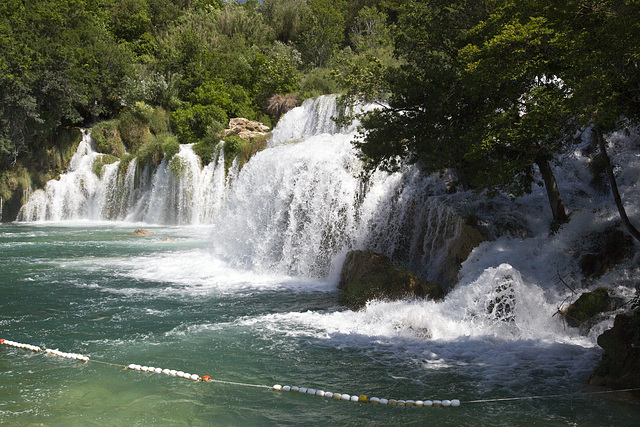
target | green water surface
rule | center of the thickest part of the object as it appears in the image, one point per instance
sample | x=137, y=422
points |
x=93, y=289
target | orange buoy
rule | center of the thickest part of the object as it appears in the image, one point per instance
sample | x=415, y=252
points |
x=1, y=341
x=206, y=378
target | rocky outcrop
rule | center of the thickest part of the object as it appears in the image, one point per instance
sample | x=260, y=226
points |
x=367, y=276
x=587, y=306
x=620, y=364
x=245, y=129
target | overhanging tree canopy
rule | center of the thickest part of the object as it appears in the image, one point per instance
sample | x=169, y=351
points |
x=494, y=88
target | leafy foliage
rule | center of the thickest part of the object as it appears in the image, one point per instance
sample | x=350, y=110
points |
x=493, y=89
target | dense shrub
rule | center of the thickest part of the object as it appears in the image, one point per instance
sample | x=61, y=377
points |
x=107, y=139
x=157, y=147
x=134, y=132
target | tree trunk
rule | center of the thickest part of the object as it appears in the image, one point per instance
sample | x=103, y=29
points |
x=557, y=205
x=614, y=187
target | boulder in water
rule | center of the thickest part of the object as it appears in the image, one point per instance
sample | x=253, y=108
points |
x=141, y=232
x=367, y=275
x=587, y=306
x=620, y=364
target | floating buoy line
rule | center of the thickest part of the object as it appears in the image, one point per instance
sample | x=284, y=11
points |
x=206, y=378
x=295, y=389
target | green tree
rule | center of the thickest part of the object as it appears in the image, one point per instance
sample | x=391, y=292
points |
x=60, y=67
x=602, y=42
x=323, y=31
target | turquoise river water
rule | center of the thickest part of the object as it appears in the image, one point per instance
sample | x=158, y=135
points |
x=165, y=300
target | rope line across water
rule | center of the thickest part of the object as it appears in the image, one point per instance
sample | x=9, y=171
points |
x=304, y=390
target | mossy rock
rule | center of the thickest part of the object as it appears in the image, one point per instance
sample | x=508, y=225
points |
x=13, y=184
x=101, y=161
x=587, y=306
x=369, y=276
x=106, y=138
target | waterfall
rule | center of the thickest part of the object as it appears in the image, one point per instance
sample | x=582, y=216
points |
x=296, y=207
x=178, y=191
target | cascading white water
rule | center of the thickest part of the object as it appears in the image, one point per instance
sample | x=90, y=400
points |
x=293, y=208
x=70, y=197
x=297, y=207
x=313, y=117
x=179, y=191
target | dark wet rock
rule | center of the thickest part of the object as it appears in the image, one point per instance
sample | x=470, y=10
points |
x=367, y=276
x=620, y=364
x=608, y=249
x=471, y=235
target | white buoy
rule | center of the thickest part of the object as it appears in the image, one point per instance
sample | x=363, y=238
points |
x=345, y=397
x=286, y=388
x=446, y=403
x=277, y=387
x=179, y=374
x=295, y=388
x=410, y=403
x=195, y=377
x=302, y=390
x=384, y=402
x=419, y=403
x=354, y=398
x=166, y=371
x=393, y=402
x=455, y=402
x=374, y=400
x=173, y=373
x=158, y=370
x=311, y=391
x=428, y=403
x=328, y=395
x=320, y=393
x=437, y=403
x=337, y=396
